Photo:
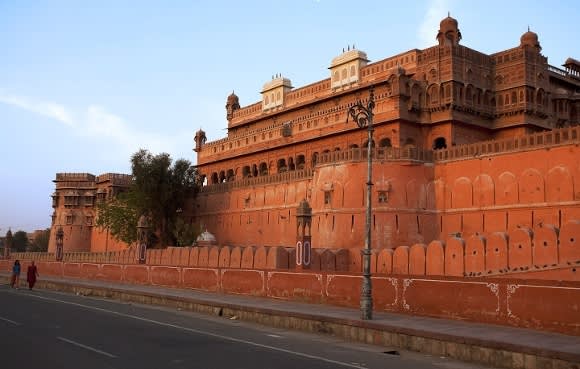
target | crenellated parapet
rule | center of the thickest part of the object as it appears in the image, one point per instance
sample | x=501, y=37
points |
x=544, y=252
x=115, y=179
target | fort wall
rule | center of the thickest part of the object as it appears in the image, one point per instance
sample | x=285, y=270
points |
x=418, y=196
x=495, y=277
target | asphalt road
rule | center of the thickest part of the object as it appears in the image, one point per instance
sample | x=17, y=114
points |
x=43, y=329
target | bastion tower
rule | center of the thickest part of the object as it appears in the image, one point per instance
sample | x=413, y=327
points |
x=74, y=202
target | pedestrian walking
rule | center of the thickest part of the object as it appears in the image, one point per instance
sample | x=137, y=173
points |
x=15, y=282
x=31, y=275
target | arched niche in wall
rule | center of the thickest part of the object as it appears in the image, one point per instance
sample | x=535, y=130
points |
x=415, y=195
x=483, y=191
x=531, y=187
x=435, y=194
x=506, y=191
x=559, y=185
x=462, y=194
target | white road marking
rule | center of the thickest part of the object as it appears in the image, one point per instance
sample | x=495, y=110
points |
x=233, y=339
x=9, y=321
x=274, y=335
x=86, y=347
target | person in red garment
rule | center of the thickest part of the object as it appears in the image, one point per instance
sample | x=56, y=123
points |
x=31, y=275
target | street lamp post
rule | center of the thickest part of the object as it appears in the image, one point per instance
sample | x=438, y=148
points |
x=59, y=244
x=142, y=239
x=363, y=117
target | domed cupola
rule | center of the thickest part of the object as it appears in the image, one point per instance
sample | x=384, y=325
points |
x=232, y=105
x=205, y=239
x=449, y=33
x=530, y=39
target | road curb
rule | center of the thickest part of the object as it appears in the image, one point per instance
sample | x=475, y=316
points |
x=469, y=349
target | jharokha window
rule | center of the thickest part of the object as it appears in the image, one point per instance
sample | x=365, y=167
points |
x=383, y=197
x=327, y=197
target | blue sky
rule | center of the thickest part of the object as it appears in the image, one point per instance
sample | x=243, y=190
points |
x=84, y=84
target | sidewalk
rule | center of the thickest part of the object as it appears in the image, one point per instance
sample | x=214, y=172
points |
x=494, y=345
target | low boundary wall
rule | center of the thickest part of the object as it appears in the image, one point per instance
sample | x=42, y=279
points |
x=536, y=304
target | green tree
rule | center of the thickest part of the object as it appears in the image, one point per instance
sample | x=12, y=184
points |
x=159, y=188
x=184, y=233
x=120, y=216
x=19, y=241
x=40, y=243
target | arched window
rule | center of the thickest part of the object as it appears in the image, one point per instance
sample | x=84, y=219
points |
x=214, y=178
x=230, y=175
x=385, y=142
x=540, y=97
x=246, y=172
x=300, y=162
x=439, y=143
x=352, y=71
x=344, y=74
x=291, y=165
x=282, y=166
x=468, y=94
x=366, y=144
x=222, y=176
x=263, y=169
x=433, y=94
x=314, y=158
x=254, y=170
x=409, y=142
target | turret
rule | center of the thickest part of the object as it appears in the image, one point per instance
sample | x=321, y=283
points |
x=530, y=40
x=232, y=105
x=200, y=139
x=449, y=33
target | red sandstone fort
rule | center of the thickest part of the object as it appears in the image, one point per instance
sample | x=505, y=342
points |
x=476, y=176
x=465, y=144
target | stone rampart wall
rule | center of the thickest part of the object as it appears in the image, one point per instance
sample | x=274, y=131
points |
x=543, y=305
x=544, y=252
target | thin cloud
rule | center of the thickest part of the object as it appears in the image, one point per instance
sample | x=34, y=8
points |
x=94, y=122
x=46, y=109
x=427, y=30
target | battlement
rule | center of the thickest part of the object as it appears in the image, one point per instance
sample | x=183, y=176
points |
x=74, y=177
x=115, y=178
x=534, y=141
x=377, y=154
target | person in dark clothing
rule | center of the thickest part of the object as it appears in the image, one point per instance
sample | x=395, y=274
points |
x=31, y=275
